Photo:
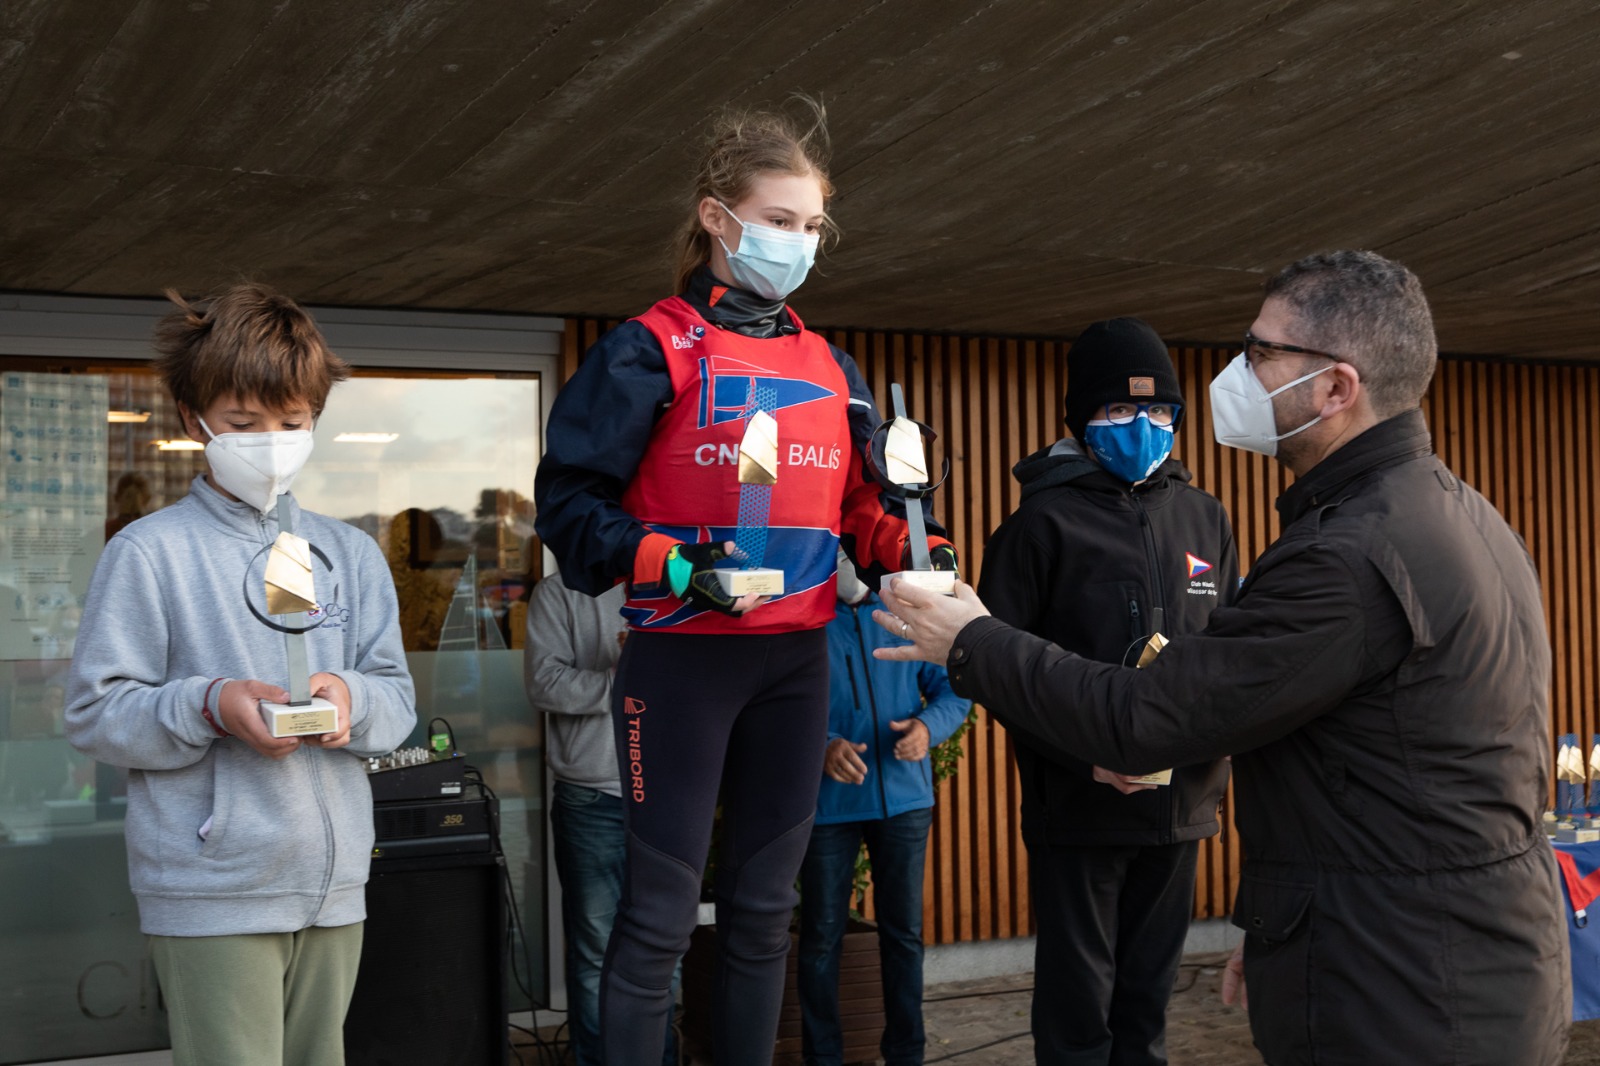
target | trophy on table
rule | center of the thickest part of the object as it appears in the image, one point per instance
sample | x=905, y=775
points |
x=758, y=473
x=290, y=589
x=1594, y=779
x=898, y=458
x=1571, y=774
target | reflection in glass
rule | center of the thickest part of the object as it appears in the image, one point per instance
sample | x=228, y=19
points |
x=439, y=471
x=67, y=918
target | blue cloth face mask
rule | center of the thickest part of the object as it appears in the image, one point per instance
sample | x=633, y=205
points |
x=770, y=262
x=1131, y=451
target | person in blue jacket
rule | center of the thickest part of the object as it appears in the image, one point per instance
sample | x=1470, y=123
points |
x=877, y=787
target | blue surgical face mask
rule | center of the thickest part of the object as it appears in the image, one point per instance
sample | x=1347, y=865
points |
x=770, y=262
x=1131, y=451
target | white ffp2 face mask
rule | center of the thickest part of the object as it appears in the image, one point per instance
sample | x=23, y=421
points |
x=257, y=467
x=770, y=262
x=1241, y=408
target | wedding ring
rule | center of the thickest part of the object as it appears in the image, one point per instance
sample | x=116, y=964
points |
x=905, y=630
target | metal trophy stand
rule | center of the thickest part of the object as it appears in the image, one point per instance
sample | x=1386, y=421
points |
x=898, y=461
x=290, y=584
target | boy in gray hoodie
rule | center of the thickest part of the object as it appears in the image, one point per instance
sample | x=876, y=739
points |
x=248, y=853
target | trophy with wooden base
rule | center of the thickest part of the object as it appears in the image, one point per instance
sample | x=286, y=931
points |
x=899, y=462
x=1571, y=776
x=291, y=591
x=1152, y=648
x=758, y=473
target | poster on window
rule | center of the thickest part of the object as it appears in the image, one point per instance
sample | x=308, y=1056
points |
x=52, y=507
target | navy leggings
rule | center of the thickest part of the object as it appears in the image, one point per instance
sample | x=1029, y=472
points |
x=746, y=714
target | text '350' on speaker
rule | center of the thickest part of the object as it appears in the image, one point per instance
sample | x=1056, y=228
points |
x=431, y=988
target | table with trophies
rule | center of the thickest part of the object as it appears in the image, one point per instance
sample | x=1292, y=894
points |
x=1574, y=828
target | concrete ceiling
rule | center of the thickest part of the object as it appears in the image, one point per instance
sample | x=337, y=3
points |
x=1015, y=166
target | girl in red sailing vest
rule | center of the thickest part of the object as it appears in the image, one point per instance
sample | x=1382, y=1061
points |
x=640, y=484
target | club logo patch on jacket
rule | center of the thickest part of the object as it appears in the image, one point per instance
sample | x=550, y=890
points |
x=337, y=617
x=1196, y=567
x=694, y=335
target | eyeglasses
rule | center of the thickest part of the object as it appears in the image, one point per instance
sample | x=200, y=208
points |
x=1160, y=414
x=1252, y=341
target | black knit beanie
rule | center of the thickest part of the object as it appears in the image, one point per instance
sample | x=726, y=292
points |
x=1118, y=360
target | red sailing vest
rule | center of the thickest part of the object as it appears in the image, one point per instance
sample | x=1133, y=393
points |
x=687, y=483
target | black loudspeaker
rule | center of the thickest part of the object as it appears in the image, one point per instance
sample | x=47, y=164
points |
x=431, y=988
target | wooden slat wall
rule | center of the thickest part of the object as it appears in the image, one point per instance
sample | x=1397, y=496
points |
x=1522, y=434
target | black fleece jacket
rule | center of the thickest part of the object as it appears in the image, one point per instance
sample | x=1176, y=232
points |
x=1096, y=566
x=1383, y=682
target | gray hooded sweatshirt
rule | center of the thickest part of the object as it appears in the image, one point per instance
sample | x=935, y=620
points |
x=290, y=840
x=568, y=663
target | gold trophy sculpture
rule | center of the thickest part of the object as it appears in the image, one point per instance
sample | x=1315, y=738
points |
x=1152, y=648
x=904, y=472
x=758, y=474
x=291, y=590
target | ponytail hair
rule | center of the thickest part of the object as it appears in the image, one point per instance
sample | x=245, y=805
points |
x=743, y=146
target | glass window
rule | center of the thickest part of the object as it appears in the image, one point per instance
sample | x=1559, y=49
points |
x=438, y=468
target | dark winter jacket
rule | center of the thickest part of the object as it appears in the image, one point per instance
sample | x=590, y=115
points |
x=1383, y=682
x=864, y=696
x=1096, y=567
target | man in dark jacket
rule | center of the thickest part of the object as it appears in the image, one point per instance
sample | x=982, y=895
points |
x=1383, y=682
x=1110, y=546
x=877, y=788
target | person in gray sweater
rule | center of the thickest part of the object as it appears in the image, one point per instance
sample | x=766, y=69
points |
x=248, y=853
x=569, y=659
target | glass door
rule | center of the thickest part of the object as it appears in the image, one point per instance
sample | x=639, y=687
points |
x=437, y=467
